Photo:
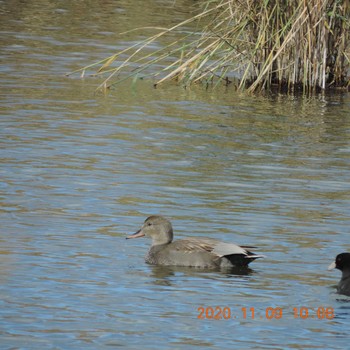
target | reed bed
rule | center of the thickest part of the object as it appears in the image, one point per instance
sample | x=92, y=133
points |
x=252, y=45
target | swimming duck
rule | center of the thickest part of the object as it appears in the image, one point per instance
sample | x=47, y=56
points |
x=192, y=251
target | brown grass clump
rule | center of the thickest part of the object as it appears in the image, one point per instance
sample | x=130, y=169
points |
x=255, y=45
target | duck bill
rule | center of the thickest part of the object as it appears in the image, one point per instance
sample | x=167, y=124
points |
x=137, y=234
x=332, y=266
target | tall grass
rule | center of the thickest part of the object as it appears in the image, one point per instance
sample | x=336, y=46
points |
x=253, y=45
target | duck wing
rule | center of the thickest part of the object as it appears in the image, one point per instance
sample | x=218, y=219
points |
x=214, y=246
x=195, y=244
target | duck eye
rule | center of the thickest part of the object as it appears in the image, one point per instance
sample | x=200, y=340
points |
x=149, y=224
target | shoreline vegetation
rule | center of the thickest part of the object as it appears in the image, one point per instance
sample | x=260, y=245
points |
x=291, y=46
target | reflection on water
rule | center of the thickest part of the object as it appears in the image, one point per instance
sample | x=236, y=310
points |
x=80, y=171
x=162, y=275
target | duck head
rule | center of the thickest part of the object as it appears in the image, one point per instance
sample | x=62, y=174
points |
x=156, y=227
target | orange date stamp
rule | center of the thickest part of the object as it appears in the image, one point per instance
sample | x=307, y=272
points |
x=269, y=313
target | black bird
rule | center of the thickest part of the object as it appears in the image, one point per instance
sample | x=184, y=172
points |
x=342, y=263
